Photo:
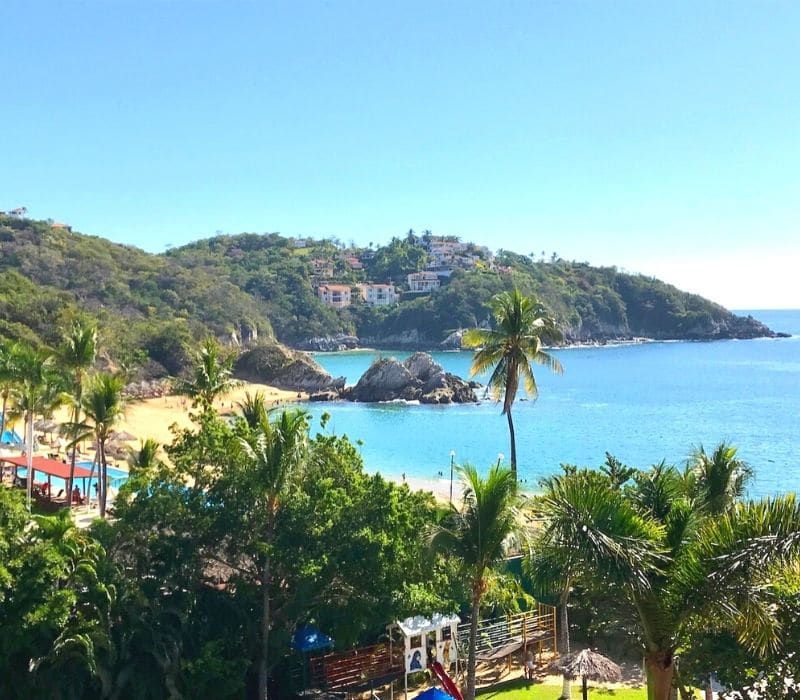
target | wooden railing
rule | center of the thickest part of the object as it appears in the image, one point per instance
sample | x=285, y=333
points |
x=355, y=669
x=534, y=626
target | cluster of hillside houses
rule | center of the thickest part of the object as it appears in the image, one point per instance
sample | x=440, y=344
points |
x=444, y=255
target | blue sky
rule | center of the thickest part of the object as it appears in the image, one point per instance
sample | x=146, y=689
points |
x=660, y=137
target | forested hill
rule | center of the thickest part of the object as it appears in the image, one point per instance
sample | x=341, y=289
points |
x=251, y=286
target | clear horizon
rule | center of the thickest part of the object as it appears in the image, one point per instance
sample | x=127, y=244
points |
x=659, y=139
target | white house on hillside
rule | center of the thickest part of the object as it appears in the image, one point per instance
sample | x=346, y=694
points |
x=378, y=294
x=336, y=295
x=423, y=281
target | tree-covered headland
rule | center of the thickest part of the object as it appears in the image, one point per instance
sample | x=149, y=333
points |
x=257, y=288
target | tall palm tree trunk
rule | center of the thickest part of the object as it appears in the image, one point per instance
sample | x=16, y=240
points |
x=75, y=417
x=566, y=688
x=263, y=664
x=29, y=455
x=473, y=643
x=513, y=442
x=3, y=415
x=101, y=488
x=659, y=667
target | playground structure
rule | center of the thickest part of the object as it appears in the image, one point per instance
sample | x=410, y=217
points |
x=438, y=643
x=501, y=637
x=430, y=643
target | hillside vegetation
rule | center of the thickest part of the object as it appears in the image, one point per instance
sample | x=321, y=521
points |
x=250, y=287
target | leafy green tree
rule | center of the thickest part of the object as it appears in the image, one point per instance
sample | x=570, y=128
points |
x=476, y=535
x=522, y=325
x=103, y=407
x=211, y=375
x=679, y=565
x=200, y=548
x=270, y=460
x=340, y=523
x=52, y=603
x=395, y=260
x=75, y=358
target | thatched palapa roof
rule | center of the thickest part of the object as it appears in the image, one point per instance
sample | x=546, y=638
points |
x=588, y=664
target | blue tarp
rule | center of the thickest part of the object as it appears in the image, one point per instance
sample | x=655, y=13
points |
x=434, y=694
x=309, y=638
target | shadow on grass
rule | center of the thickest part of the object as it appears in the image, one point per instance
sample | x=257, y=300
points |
x=504, y=687
x=519, y=688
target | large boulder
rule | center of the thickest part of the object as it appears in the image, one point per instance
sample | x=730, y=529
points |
x=452, y=341
x=419, y=378
x=386, y=380
x=278, y=366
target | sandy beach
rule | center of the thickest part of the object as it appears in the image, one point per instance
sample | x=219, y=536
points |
x=155, y=418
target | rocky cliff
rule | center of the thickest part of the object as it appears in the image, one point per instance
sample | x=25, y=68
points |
x=279, y=366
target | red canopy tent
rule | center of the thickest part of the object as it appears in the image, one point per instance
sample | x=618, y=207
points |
x=51, y=467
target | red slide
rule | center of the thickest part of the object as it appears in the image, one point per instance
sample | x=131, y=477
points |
x=447, y=683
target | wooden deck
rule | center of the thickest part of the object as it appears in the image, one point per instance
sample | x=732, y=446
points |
x=501, y=637
x=357, y=669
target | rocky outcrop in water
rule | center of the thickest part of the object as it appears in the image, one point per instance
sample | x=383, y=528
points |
x=281, y=367
x=419, y=378
x=453, y=341
x=331, y=343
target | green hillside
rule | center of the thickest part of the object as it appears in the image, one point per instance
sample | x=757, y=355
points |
x=251, y=287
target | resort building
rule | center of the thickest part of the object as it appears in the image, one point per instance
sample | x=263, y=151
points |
x=354, y=263
x=378, y=294
x=336, y=295
x=426, y=281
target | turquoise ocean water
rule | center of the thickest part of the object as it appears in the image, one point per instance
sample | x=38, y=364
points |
x=643, y=403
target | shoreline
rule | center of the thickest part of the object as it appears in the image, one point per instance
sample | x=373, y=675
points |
x=577, y=345
x=439, y=487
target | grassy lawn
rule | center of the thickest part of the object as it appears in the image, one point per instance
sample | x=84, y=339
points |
x=519, y=689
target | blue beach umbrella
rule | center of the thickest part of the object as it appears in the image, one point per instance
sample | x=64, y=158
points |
x=308, y=638
x=433, y=694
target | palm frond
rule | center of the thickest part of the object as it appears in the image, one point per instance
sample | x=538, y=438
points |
x=726, y=571
x=598, y=528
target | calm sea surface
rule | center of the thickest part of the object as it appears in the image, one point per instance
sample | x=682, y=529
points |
x=643, y=403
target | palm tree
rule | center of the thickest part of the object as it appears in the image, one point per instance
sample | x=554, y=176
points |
x=211, y=376
x=676, y=565
x=253, y=408
x=477, y=534
x=38, y=389
x=76, y=357
x=145, y=457
x=274, y=453
x=7, y=377
x=554, y=564
x=522, y=325
x=103, y=406
x=721, y=477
